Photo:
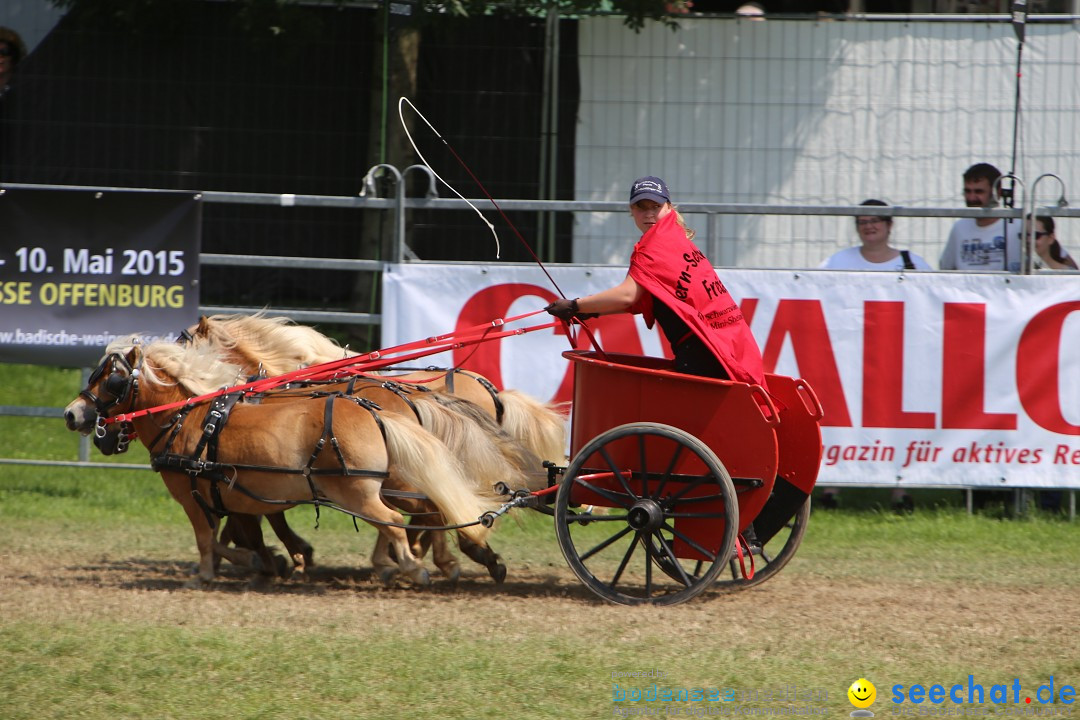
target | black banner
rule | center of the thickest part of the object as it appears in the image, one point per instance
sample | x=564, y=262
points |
x=79, y=268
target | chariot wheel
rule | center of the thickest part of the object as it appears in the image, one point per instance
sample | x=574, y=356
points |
x=768, y=560
x=670, y=521
x=771, y=558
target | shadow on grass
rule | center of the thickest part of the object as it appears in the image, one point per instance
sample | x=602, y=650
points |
x=158, y=575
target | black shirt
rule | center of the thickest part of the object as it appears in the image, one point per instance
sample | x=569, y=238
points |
x=692, y=355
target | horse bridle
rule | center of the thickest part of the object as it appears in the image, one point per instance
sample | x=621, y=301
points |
x=123, y=385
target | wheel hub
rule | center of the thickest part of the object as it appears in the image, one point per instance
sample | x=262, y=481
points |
x=646, y=515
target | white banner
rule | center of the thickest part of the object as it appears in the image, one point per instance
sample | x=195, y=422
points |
x=926, y=379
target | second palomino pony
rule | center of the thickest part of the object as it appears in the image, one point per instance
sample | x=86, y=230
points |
x=279, y=346
x=528, y=431
x=333, y=450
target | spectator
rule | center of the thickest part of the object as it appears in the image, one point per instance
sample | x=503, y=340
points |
x=875, y=252
x=1049, y=254
x=982, y=244
x=12, y=50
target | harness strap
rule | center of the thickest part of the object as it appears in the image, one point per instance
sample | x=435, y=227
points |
x=493, y=391
x=212, y=514
x=328, y=428
x=216, y=418
x=225, y=405
x=217, y=471
x=215, y=423
x=403, y=494
x=740, y=543
x=402, y=392
x=328, y=422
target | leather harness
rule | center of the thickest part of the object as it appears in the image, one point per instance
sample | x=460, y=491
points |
x=208, y=467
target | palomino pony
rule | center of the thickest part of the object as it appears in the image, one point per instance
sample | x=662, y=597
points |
x=262, y=458
x=279, y=346
x=490, y=457
x=275, y=346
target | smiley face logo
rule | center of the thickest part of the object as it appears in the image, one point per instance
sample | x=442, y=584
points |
x=862, y=693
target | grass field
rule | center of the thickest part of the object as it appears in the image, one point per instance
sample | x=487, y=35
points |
x=95, y=622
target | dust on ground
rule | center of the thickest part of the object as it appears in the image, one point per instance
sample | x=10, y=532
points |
x=884, y=613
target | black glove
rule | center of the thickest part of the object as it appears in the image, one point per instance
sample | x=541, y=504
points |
x=563, y=309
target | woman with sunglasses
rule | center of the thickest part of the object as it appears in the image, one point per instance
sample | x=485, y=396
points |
x=1049, y=254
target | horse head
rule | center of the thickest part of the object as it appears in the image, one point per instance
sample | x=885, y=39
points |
x=111, y=389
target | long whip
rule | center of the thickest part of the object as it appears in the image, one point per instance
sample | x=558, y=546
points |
x=401, y=103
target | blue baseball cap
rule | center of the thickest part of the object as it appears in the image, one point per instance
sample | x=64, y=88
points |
x=649, y=188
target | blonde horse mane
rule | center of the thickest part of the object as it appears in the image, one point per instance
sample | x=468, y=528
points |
x=278, y=343
x=198, y=369
x=281, y=345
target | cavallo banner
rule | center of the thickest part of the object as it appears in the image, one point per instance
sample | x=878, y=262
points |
x=925, y=378
x=76, y=265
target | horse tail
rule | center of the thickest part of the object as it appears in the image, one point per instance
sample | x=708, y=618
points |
x=420, y=459
x=538, y=426
x=489, y=454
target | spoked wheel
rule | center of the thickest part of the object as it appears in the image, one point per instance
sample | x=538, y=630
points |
x=671, y=515
x=769, y=559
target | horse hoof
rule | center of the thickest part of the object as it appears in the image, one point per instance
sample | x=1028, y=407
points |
x=452, y=573
x=497, y=572
x=386, y=575
x=197, y=583
x=421, y=577
x=282, y=567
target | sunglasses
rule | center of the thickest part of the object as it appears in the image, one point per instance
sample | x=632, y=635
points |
x=869, y=221
x=6, y=51
x=1041, y=234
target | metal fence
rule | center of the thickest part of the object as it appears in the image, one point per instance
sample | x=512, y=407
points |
x=278, y=140
x=826, y=113
x=397, y=210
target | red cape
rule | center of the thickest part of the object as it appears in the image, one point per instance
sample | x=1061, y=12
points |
x=672, y=269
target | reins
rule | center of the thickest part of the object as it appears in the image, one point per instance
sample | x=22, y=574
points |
x=356, y=364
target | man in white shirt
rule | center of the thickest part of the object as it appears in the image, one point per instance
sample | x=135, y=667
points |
x=982, y=244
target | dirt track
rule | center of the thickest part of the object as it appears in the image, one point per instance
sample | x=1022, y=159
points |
x=888, y=616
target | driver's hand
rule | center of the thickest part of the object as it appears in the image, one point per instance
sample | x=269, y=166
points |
x=563, y=309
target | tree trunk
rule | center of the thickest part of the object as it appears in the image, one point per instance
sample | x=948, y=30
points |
x=396, y=55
